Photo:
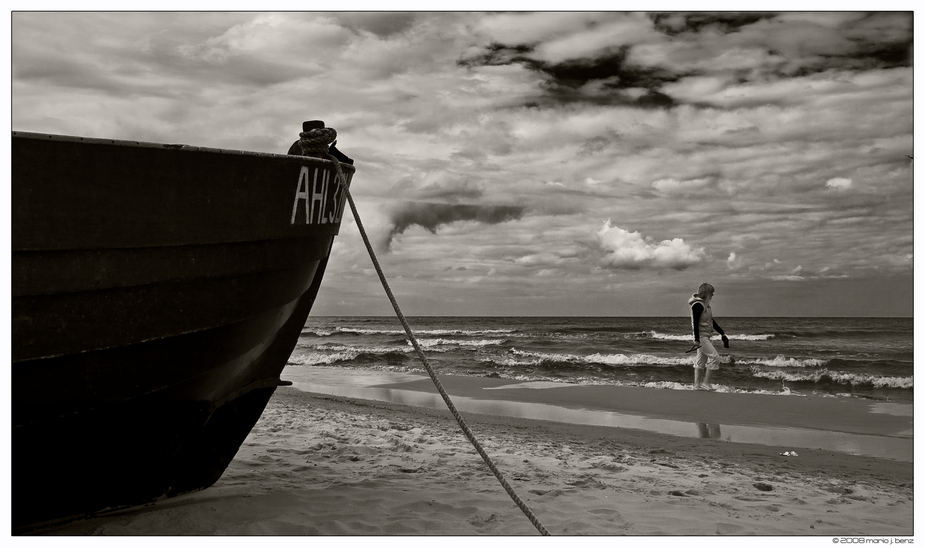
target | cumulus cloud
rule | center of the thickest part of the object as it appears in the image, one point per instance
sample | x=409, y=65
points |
x=630, y=250
x=734, y=262
x=839, y=183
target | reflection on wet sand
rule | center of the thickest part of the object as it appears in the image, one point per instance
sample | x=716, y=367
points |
x=709, y=430
x=874, y=446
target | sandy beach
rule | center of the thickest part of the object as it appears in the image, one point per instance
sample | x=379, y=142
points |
x=322, y=464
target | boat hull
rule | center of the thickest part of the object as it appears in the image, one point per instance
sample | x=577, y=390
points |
x=158, y=291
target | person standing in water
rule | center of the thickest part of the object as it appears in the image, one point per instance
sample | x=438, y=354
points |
x=703, y=325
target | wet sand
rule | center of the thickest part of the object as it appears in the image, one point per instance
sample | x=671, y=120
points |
x=321, y=464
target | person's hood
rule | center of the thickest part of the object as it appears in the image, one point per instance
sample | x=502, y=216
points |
x=695, y=299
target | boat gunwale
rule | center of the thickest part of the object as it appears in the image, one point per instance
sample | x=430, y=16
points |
x=169, y=146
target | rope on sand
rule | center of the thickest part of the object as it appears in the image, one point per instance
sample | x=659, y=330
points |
x=316, y=141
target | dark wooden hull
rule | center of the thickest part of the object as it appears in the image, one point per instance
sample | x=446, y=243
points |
x=157, y=292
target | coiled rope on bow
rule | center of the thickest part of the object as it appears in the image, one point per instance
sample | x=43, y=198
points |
x=316, y=141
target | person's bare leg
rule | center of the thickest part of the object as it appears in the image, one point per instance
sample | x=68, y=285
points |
x=706, y=380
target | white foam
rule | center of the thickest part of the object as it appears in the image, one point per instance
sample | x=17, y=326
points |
x=428, y=343
x=687, y=336
x=534, y=385
x=327, y=347
x=417, y=332
x=782, y=361
x=315, y=358
x=840, y=377
x=520, y=357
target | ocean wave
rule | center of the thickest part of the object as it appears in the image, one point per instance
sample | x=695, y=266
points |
x=845, y=333
x=664, y=336
x=526, y=358
x=334, y=354
x=319, y=358
x=418, y=332
x=635, y=359
x=756, y=337
x=333, y=347
x=671, y=385
x=430, y=343
x=434, y=346
x=783, y=361
x=317, y=332
x=837, y=377
x=687, y=336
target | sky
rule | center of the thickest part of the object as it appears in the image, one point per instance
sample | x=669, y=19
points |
x=539, y=163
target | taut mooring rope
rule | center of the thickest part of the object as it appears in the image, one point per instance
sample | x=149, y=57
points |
x=316, y=141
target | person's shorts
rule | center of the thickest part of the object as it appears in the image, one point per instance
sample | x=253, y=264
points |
x=707, y=356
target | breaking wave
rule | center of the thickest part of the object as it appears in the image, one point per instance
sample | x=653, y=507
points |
x=419, y=332
x=783, y=361
x=519, y=357
x=822, y=376
x=687, y=336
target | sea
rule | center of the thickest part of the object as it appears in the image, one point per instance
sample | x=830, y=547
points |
x=857, y=357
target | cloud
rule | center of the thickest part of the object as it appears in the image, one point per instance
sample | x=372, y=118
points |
x=629, y=250
x=671, y=185
x=734, y=262
x=382, y=24
x=440, y=186
x=483, y=117
x=839, y=183
x=431, y=215
x=788, y=278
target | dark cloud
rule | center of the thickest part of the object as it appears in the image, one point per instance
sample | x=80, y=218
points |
x=882, y=40
x=566, y=80
x=432, y=215
x=674, y=24
x=497, y=54
x=842, y=41
x=613, y=66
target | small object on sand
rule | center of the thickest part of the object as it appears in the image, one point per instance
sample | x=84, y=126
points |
x=763, y=487
x=789, y=454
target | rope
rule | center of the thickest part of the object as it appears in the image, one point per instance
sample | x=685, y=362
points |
x=311, y=141
x=315, y=141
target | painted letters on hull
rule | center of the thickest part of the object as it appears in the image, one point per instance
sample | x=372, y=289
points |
x=322, y=205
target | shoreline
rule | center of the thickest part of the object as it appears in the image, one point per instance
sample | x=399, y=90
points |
x=812, y=461
x=846, y=424
x=330, y=465
x=840, y=414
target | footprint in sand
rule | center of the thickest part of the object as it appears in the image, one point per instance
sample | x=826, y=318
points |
x=585, y=482
x=547, y=493
x=481, y=521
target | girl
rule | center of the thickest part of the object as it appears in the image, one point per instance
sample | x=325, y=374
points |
x=703, y=325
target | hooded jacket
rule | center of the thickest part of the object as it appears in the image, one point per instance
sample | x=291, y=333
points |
x=702, y=320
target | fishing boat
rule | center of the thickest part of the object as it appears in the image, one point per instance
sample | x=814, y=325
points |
x=157, y=292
